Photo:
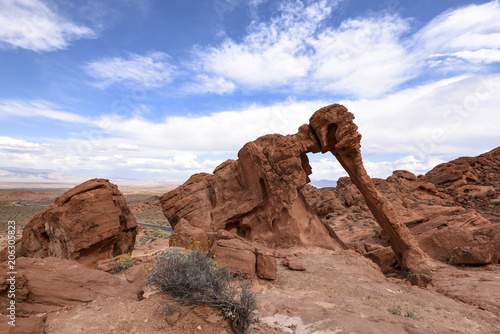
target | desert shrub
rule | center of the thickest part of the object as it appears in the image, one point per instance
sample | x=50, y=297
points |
x=19, y=252
x=395, y=309
x=194, y=279
x=123, y=263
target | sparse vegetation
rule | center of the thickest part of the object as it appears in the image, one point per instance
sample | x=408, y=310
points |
x=194, y=278
x=123, y=263
x=395, y=309
x=19, y=252
x=398, y=310
x=412, y=315
x=153, y=234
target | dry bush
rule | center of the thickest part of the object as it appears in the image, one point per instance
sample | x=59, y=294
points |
x=123, y=263
x=194, y=279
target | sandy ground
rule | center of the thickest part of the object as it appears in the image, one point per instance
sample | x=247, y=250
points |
x=340, y=292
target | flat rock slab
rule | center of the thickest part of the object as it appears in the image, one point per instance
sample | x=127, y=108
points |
x=46, y=284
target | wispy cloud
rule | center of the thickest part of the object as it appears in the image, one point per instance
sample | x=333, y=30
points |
x=272, y=54
x=421, y=127
x=33, y=25
x=44, y=109
x=148, y=71
x=297, y=51
x=20, y=146
x=205, y=83
x=365, y=57
x=472, y=28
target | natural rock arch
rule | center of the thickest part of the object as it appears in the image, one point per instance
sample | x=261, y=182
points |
x=258, y=196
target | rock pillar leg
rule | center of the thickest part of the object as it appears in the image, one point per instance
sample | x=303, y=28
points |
x=404, y=245
x=334, y=131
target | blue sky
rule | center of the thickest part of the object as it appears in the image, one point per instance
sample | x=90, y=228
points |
x=144, y=91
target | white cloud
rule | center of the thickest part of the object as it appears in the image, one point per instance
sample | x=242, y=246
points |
x=182, y=162
x=148, y=71
x=298, y=51
x=470, y=34
x=128, y=147
x=272, y=54
x=383, y=169
x=5, y=173
x=443, y=119
x=420, y=126
x=326, y=168
x=485, y=56
x=365, y=57
x=37, y=109
x=473, y=27
x=17, y=145
x=33, y=25
x=205, y=83
x=225, y=131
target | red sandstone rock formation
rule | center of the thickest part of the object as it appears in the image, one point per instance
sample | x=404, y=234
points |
x=258, y=196
x=459, y=210
x=335, y=131
x=88, y=223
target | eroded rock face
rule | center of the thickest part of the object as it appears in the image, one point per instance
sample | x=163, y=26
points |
x=475, y=256
x=88, y=223
x=258, y=196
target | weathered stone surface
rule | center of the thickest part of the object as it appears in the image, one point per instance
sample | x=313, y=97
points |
x=323, y=200
x=190, y=237
x=236, y=254
x=266, y=264
x=335, y=131
x=384, y=257
x=441, y=216
x=369, y=247
x=294, y=263
x=137, y=274
x=88, y=223
x=440, y=244
x=474, y=256
x=24, y=325
x=420, y=280
x=256, y=195
x=45, y=284
x=453, y=172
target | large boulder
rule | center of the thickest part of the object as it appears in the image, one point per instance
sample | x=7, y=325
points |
x=474, y=256
x=88, y=223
